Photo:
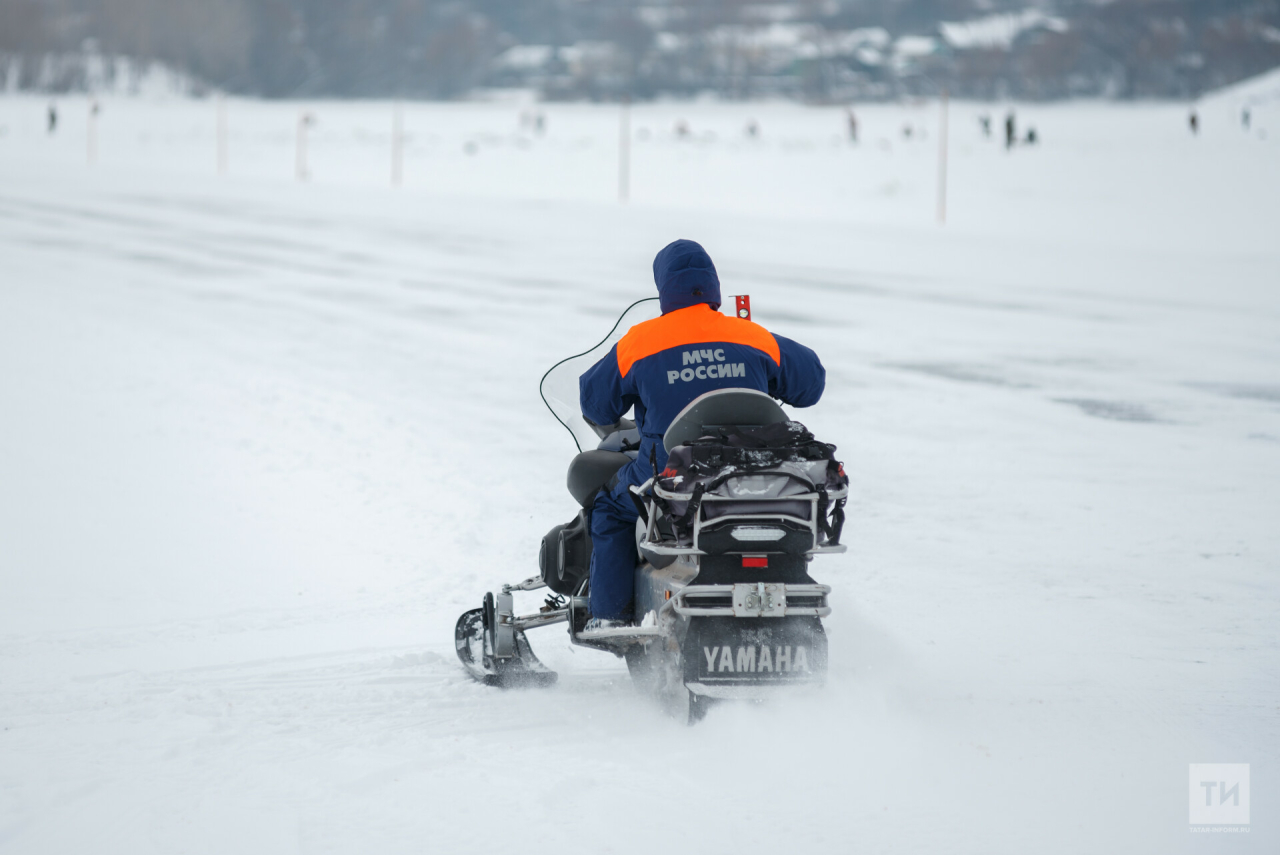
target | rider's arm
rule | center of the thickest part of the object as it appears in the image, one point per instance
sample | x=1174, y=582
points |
x=800, y=377
x=600, y=390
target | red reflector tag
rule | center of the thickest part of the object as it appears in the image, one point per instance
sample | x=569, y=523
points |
x=755, y=561
x=742, y=306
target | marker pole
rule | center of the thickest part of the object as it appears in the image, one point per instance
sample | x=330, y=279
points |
x=397, y=148
x=91, y=135
x=300, y=155
x=624, y=150
x=222, y=134
x=942, y=160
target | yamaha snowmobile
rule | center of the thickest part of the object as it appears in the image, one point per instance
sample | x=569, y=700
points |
x=724, y=604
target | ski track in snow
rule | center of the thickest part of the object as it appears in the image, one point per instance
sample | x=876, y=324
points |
x=263, y=441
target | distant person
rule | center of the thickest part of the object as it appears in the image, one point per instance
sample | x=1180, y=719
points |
x=53, y=118
x=985, y=121
x=682, y=129
x=540, y=123
x=1031, y=136
x=753, y=128
x=1194, y=121
x=906, y=131
x=852, y=121
x=1010, y=131
x=1245, y=118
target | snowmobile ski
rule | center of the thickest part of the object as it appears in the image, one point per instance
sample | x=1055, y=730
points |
x=475, y=643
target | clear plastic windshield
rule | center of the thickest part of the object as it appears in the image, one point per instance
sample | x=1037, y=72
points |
x=560, y=386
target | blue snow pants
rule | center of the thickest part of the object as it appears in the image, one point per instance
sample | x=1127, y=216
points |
x=613, y=553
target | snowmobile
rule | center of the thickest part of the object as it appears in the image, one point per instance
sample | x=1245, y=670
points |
x=724, y=604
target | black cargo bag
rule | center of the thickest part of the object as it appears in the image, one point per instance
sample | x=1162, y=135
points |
x=777, y=471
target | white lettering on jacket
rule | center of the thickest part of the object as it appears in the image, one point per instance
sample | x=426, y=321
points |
x=716, y=369
x=695, y=357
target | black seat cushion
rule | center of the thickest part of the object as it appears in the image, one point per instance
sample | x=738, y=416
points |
x=592, y=470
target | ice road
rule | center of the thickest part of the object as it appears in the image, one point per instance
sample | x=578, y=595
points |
x=262, y=441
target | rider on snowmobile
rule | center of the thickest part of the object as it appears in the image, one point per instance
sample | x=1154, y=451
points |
x=659, y=367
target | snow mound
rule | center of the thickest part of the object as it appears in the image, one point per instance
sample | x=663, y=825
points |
x=1262, y=89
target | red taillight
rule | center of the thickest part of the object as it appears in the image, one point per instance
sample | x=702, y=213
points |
x=755, y=561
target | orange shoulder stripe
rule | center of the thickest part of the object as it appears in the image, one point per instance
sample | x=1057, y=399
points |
x=698, y=324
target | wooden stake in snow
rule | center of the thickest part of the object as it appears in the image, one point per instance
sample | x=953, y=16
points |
x=942, y=160
x=222, y=134
x=91, y=135
x=397, y=147
x=624, y=150
x=305, y=121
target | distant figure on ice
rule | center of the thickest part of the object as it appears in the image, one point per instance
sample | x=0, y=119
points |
x=753, y=129
x=540, y=123
x=985, y=121
x=682, y=129
x=53, y=118
x=1194, y=122
x=906, y=131
x=1031, y=136
x=852, y=121
x=1245, y=118
x=1010, y=131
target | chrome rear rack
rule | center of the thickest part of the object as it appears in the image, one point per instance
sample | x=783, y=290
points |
x=752, y=599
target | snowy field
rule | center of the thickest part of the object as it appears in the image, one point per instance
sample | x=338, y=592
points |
x=263, y=440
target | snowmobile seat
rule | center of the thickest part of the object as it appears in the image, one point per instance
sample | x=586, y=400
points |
x=592, y=470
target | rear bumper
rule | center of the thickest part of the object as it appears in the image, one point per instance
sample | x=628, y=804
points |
x=752, y=599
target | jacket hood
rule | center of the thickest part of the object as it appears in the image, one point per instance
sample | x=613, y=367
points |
x=685, y=277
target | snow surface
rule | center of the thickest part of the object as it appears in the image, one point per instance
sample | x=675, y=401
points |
x=262, y=441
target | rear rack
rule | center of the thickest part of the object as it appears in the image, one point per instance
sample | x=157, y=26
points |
x=653, y=542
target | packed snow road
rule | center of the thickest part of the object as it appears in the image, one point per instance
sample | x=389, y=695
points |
x=262, y=442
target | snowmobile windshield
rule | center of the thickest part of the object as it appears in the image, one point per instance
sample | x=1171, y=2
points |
x=559, y=386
